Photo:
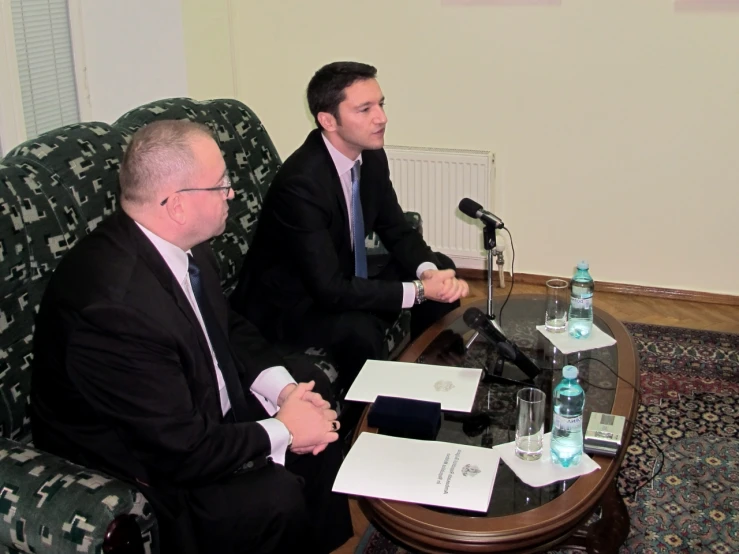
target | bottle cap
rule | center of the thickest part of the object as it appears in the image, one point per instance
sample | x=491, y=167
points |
x=569, y=372
x=583, y=264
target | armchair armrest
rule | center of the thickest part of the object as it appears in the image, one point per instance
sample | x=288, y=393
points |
x=374, y=245
x=48, y=504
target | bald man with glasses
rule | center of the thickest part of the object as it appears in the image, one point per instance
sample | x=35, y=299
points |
x=141, y=370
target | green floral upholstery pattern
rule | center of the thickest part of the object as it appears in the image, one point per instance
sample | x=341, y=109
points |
x=374, y=245
x=54, y=189
x=48, y=504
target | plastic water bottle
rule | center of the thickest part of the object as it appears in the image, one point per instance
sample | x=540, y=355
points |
x=580, y=316
x=569, y=403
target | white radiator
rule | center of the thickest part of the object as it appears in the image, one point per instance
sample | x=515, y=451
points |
x=432, y=181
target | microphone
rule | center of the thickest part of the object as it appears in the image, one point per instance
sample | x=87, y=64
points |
x=471, y=208
x=475, y=319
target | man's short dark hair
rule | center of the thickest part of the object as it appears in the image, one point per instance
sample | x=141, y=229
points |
x=326, y=88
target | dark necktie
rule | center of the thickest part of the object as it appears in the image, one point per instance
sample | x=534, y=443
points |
x=220, y=346
x=360, y=251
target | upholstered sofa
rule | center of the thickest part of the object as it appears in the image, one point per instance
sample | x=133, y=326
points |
x=55, y=189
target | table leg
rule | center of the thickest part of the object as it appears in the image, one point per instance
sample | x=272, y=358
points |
x=606, y=535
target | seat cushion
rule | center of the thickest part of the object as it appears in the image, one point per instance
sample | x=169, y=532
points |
x=51, y=505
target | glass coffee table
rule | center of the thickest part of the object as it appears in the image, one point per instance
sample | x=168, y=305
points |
x=586, y=512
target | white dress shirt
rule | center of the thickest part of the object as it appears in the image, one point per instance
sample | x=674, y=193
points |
x=268, y=384
x=344, y=168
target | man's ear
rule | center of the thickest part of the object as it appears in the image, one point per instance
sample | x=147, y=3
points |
x=175, y=209
x=327, y=121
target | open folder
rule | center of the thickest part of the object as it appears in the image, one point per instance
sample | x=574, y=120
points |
x=453, y=387
x=425, y=472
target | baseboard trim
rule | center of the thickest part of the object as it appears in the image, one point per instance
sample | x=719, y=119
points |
x=618, y=288
x=474, y=274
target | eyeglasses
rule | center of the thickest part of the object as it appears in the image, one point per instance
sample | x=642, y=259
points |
x=226, y=189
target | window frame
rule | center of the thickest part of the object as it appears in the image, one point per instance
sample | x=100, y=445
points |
x=12, y=122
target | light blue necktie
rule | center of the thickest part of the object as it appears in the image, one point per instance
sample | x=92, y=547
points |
x=360, y=252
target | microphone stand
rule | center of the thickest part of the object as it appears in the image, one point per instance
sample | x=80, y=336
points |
x=491, y=246
x=494, y=375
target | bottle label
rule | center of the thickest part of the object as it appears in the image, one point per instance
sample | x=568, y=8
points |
x=568, y=423
x=581, y=303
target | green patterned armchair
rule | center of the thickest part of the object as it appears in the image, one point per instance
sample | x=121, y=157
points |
x=54, y=190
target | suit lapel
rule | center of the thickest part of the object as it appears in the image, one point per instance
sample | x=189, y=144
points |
x=159, y=268
x=332, y=176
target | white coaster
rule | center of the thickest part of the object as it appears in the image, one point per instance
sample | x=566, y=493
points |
x=567, y=344
x=543, y=471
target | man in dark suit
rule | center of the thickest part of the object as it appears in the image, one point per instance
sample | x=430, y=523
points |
x=141, y=370
x=306, y=280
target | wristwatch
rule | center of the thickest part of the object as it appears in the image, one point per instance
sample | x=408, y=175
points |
x=420, y=296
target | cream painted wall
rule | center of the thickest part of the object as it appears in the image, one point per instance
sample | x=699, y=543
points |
x=208, y=49
x=621, y=115
x=131, y=53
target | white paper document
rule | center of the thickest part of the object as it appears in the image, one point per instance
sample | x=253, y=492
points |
x=426, y=472
x=567, y=344
x=543, y=471
x=453, y=387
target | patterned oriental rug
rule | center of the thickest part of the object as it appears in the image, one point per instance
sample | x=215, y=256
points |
x=690, y=408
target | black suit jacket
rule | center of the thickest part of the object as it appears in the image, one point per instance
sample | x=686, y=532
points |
x=301, y=253
x=123, y=379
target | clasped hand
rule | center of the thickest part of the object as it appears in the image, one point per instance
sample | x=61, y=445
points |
x=442, y=285
x=309, y=418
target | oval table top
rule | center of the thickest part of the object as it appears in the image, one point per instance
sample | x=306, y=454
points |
x=517, y=524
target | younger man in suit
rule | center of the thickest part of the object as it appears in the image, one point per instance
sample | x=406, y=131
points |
x=140, y=369
x=305, y=280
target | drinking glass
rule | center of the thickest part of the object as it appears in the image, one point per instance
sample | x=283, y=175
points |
x=558, y=300
x=530, y=406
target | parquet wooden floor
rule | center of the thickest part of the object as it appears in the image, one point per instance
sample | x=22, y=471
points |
x=641, y=309
x=638, y=309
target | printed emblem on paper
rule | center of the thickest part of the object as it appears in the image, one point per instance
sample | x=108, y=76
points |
x=443, y=386
x=470, y=470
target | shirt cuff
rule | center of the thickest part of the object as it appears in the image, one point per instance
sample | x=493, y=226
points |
x=279, y=436
x=409, y=295
x=269, y=384
x=423, y=267
x=409, y=289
